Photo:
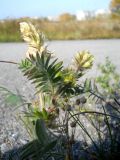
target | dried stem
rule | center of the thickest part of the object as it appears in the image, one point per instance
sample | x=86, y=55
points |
x=11, y=62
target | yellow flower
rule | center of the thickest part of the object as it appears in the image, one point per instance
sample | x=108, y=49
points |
x=87, y=65
x=69, y=79
x=69, y=76
x=83, y=60
x=34, y=39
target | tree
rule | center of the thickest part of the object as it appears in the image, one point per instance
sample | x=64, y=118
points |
x=115, y=7
x=66, y=17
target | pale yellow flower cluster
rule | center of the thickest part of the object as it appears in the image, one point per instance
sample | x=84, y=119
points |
x=69, y=79
x=33, y=37
x=83, y=60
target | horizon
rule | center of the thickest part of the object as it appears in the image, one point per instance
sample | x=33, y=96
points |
x=18, y=9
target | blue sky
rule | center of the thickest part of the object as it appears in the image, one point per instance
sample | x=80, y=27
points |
x=38, y=8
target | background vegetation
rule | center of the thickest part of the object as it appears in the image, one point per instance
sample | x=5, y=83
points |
x=67, y=27
x=64, y=29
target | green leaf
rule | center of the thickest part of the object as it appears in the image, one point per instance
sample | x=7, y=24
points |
x=87, y=85
x=50, y=146
x=44, y=73
x=25, y=64
x=41, y=132
x=13, y=99
x=45, y=114
x=10, y=97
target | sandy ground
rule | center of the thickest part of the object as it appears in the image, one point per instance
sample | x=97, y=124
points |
x=12, y=78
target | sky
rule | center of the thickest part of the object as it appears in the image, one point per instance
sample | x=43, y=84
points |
x=44, y=8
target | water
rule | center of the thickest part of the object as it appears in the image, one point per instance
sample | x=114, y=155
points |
x=12, y=78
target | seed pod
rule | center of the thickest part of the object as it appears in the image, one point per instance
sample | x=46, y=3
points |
x=72, y=141
x=73, y=124
x=83, y=100
x=57, y=110
x=66, y=99
x=77, y=101
x=54, y=101
x=69, y=108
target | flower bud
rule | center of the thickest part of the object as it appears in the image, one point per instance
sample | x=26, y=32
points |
x=83, y=100
x=73, y=124
x=33, y=37
x=83, y=60
x=69, y=108
x=77, y=101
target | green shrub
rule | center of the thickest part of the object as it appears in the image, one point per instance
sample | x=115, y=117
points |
x=109, y=79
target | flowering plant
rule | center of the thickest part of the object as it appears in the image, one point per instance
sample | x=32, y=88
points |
x=55, y=84
x=52, y=80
